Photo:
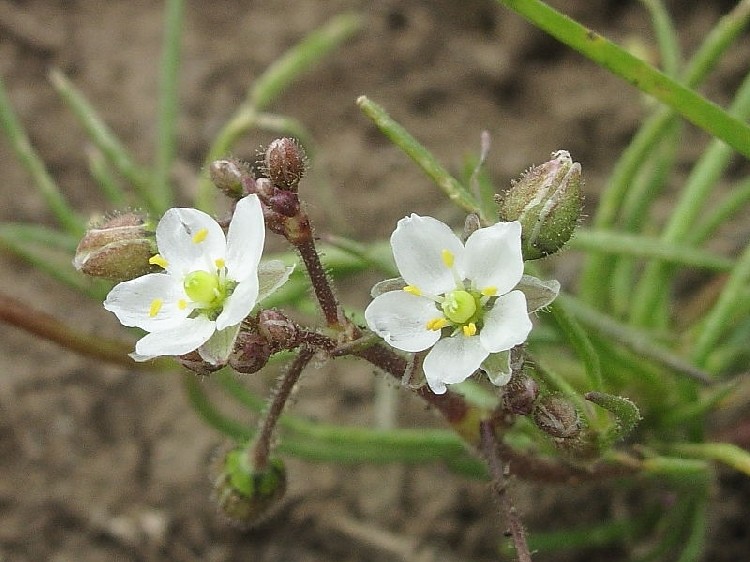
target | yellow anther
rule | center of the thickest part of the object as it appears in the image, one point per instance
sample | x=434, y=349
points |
x=220, y=263
x=437, y=324
x=412, y=290
x=200, y=236
x=489, y=291
x=155, y=307
x=182, y=304
x=470, y=329
x=448, y=258
x=158, y=260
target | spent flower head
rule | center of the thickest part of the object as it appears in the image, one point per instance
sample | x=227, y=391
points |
x=210, y=283
x=465, y=302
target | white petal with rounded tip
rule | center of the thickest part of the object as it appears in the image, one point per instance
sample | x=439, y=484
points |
x=245, y=238
x=452, y=360
x=131, y=301
x=219, y=346
x=493, y=257
x=239, y=304
x=174, y=239
x=183, y=338
x=506, y=324
x=418, y=244
x=401, y=320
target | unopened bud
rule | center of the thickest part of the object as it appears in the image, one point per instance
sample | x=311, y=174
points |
x=247, y=495
x=285, y=203
x=520, y=394
x=277, y=329
x=547, y=202
x=194, y=362
x=556, y=416
x=251, y=352
x=228, y=176
x=285, y=163
x=117, y=249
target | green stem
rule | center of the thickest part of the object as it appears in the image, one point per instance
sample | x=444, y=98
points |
x=669, y=46
x=720, y=318
x=738, y=196
x=581, y=343
x=637, y=246
x=29, y=159
x=420, y=155
x=718, y=40
x=168, y=105
x=103, y=138
x=686, y=102
x=654, y=283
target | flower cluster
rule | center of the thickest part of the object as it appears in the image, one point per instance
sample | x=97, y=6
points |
x=467, y=302
x=210, y=283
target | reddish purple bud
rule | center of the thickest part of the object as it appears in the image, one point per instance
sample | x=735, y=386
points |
x=285, y=163
x=520, y=394
x=281, y=332
x=250, y=354
x=284, y=202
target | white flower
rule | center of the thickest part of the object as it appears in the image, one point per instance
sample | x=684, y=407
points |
x=210, y=284
x=457, y=299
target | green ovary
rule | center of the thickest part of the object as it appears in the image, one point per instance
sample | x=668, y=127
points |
x=202, y=287
x=459, y=306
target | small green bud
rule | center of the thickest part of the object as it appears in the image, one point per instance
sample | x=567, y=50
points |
x=245, y=494
x=117, y=249
x=229, y=175
x=547, y=202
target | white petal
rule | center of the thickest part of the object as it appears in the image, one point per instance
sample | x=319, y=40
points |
x=538, y=293
x=401, y=320
x=507, y=324
x=247, y=233
x=452, y=360
x=177, y=340
x=418, y=244
x=174, y=239
x=131, y=301
x=219, y=346
x=239, y=304
x=493, y=257
x=386, y=286
x=272, y=275
x=497, y=367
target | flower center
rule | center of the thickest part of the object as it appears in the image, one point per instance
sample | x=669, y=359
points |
x=459, y=306
x=202, y=287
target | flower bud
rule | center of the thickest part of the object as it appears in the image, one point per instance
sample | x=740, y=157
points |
x=547, y=202
x=556, y=416
x=251, y=352
x=520, y=394
x=228, y=176
x=285, y=163
x=247, y=495
x=117, y=249
x=194, y=362
x=281, y=332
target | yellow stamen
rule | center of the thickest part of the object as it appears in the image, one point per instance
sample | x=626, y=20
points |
x=200, y=236
x=437, y=324
x=155, y=307
x=448, y=258
x=158, y=260
x=470, y=329
x=412, y=290
x=220, y=263
x=489, y=291
x=182, y=304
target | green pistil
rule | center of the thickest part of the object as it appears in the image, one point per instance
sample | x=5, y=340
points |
x=202, y=287
x=459, y=306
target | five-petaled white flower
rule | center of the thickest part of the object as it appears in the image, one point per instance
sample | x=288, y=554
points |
x=466, y=302
x=209, y=285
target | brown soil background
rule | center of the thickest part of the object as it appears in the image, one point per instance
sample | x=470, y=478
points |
x=98, y=463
